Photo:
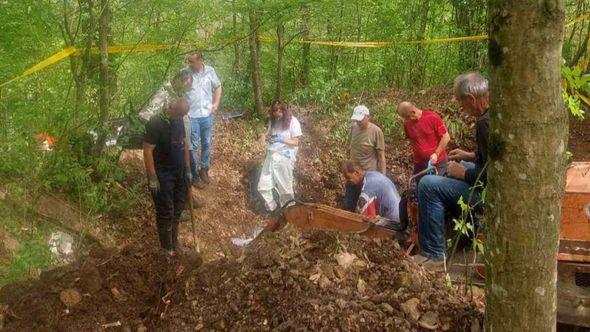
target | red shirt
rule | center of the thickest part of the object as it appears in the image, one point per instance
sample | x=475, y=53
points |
x=424, y=135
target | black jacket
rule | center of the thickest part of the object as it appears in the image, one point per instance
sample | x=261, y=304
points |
x=481, y=155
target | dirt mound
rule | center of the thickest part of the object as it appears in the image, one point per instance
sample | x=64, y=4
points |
x=287, y=280
x=102, y=288
x=318, y=281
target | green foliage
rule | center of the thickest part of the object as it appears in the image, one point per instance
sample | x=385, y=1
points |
x=456, y=127
x=576, y=84
x=341, y=131
x=33, y=256
x=33, y=253
x=389, y=121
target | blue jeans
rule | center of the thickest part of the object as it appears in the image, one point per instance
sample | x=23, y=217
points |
x=201, y=137
x=438, y=195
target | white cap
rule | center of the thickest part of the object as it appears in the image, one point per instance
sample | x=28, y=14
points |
x=359, y=113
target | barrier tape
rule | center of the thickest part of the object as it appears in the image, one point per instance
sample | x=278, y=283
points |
x=269, y=39
x=577, y=20
x=149, y=48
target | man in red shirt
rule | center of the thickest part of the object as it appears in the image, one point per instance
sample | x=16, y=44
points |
x=428, y=135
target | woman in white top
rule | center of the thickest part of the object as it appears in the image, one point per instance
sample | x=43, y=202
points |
x=283, y=133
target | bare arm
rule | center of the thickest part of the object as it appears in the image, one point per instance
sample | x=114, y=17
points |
x=459, y=154
x=148, y=159
x=292, y=141
x=216, y=98
x=442, y=145
x=381, y=161
x=262, y=139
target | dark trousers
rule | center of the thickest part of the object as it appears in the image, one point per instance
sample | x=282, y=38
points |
x=351, y=196
x=169, y=204
x=438, y=195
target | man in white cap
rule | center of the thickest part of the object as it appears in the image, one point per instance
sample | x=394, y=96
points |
x=367, y=148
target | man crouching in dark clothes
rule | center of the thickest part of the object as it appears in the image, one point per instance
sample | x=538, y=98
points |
x=167, y=166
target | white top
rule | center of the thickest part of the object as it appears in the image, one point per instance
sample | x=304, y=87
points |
x=158, y=104
x=293, y=131
x=200, y=97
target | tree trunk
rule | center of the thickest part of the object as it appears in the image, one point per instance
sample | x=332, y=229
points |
x=280, y=53
x=104, y=95
x=255, y=62
x=79, y=64
x=237, y=55
x=336, y=51
x=419, y=75
x=528, y=137
x=582, y=49
x=306, y=48
x=469, y=19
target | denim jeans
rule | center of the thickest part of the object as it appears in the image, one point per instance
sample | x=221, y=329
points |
x=438, y=195
x=201, y=136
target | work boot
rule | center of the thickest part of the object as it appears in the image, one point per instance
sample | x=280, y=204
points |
x=434, y=265
x=419, y=259
x=205, y=175
x=198, y=203
x=184, y=216
x=198, y=182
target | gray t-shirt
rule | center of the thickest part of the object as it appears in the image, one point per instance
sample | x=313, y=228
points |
x=379, y=197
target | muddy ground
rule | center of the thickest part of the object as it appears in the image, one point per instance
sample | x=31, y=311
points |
x=285, y=281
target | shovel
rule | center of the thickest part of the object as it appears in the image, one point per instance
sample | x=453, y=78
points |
x=192, y=214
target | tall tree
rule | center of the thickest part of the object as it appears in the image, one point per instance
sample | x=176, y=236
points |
x=470, y=20
x=420, y=68
x=237, y=54
x=79, y=65
x=104, y=95
x=281, y=43
x=255, y=70
x=306, y=47
x=528, y=137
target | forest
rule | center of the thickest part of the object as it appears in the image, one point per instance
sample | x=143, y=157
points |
x=78, y=230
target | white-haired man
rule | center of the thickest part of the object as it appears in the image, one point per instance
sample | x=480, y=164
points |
x=438, y=194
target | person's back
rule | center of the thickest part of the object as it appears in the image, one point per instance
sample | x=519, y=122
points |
x=167, y=136
x=379, y=193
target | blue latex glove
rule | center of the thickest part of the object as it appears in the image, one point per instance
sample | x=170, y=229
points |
x=427, y=166
x=277, y=139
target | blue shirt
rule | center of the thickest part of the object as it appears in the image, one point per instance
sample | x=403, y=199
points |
x=379, y=197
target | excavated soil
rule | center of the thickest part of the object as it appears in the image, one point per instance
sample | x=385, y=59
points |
x=294, y=281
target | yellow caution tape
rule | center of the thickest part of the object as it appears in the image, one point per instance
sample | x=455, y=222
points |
x=47, y=62
x=577, y=20
x=270, y=39
x=148, y=48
